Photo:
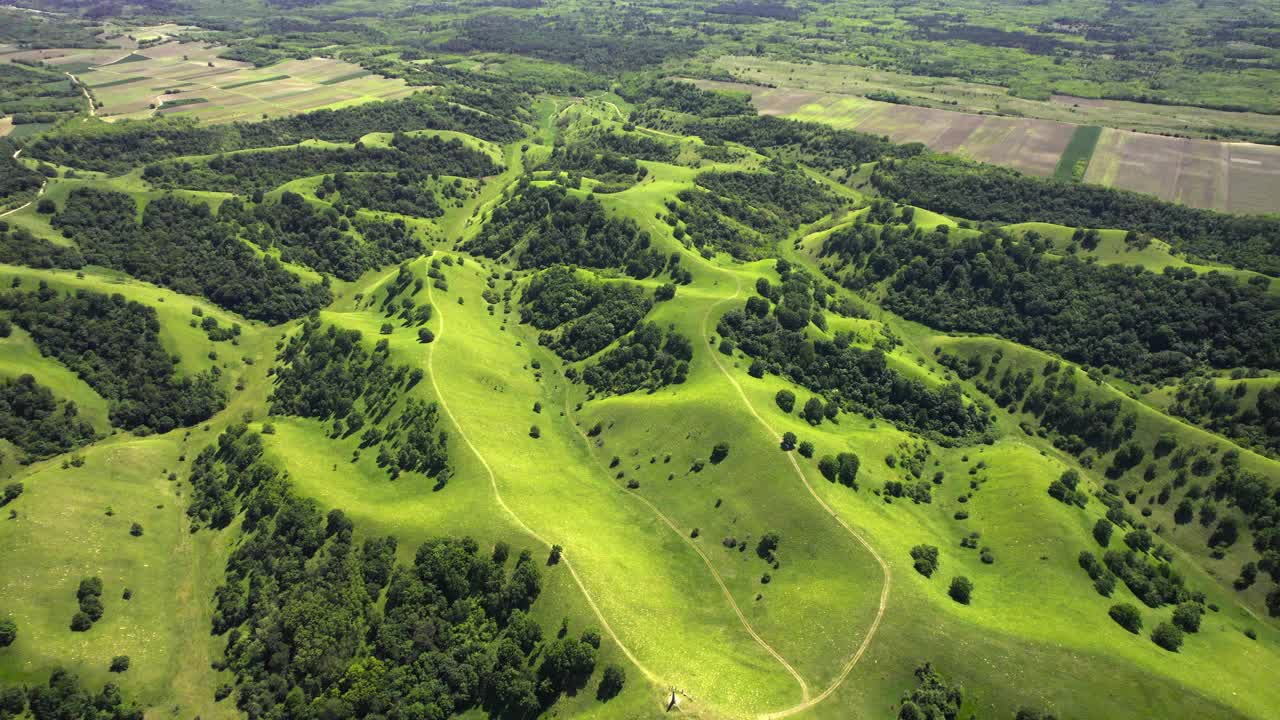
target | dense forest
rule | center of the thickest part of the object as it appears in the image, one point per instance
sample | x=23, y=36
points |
x=1141, y=324
x=649, y=358
x=546, y=225
x=327, y=374
x=987, y=192
x=183, y=246
x=37, y=422
x=400, y=192
x=353, y=623
x=113, y=344
x=772, y=329
x=589, y=314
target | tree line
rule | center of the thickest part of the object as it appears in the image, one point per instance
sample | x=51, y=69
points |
x=183, y=246
x=987, y=192
x=590, y=314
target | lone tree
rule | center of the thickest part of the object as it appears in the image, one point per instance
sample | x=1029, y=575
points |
x=961, y=589
x=119, y=663
x=8, y=632
x=1102, y=531
x=786, y=400
x=788, y=441
x=554, y=557
x=1168, y=636
x=719, y=452
x=425, y=335
x=1127, y=616
x=611, y=683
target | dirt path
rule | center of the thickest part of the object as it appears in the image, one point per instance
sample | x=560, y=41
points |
x=884, y=567
x=23, y=206
x=497, y=494
x=728, y=596
x=93, y=110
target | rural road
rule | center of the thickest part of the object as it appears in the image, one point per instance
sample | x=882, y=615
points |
x=884, y=567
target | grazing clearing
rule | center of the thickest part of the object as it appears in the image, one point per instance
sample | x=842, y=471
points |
x=190, y=79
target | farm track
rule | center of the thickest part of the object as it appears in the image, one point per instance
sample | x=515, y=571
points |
x=728, y=596
x=884, y=567
x=497, y=494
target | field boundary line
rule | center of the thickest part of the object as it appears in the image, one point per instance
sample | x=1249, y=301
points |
x=493, y=483
x=884, y=567
x=742, y=618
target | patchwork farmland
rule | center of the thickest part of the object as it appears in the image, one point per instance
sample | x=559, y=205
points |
x=1230, y=176
x=190, y=79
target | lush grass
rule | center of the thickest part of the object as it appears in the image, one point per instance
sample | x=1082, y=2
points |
x=1075, y=159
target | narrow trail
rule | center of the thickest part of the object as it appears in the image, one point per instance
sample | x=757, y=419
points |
x=728, y=596
x=497, y=494
x=884, y=567
x=39, y=192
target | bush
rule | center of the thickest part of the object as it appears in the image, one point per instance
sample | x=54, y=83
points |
x=554, y=557
x=135, y=530
x=46, y=206
x=425, y=335
x=1187, y=616
x=534, y=432
x=788, y=441
x=926, y=559
x=961, y=589
x=786, y=400
x=1127, y=616
x=719, y=452
x=8, y=632
x=1168, y=636
x=119, y=663
x=813, y=411
x=11, y=493
x=80, y=622
x=806, y=449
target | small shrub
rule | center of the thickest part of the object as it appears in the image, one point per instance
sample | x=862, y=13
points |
x=1126, y=616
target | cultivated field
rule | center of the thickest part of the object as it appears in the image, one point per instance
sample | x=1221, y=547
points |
x=1032, y=146
x=951, y=93
x=190, y=79
x=1238, y=177
x=1230, y=176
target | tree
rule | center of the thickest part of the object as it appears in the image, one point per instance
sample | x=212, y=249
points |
x=788, y=441
x=662, y=293
x=8, y=632
x=925, y=559
x=1139, y=540
x=756, y=370
x=786, y=400
x=1127, y=616
x=1187, y=616
x=961, y=589
x=767, y=545
x=425, y=335
x=1168, y=636
x=80, y=622
x=534, y=432
x=847, y=464
x=828, y=467
x=812, y=412
x=1102, y=531
x=554, y=557
x=119, y=664
x=135, y=530
x=611, y=682
x=806, y=449
x=719, y=452
x=46, y=206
